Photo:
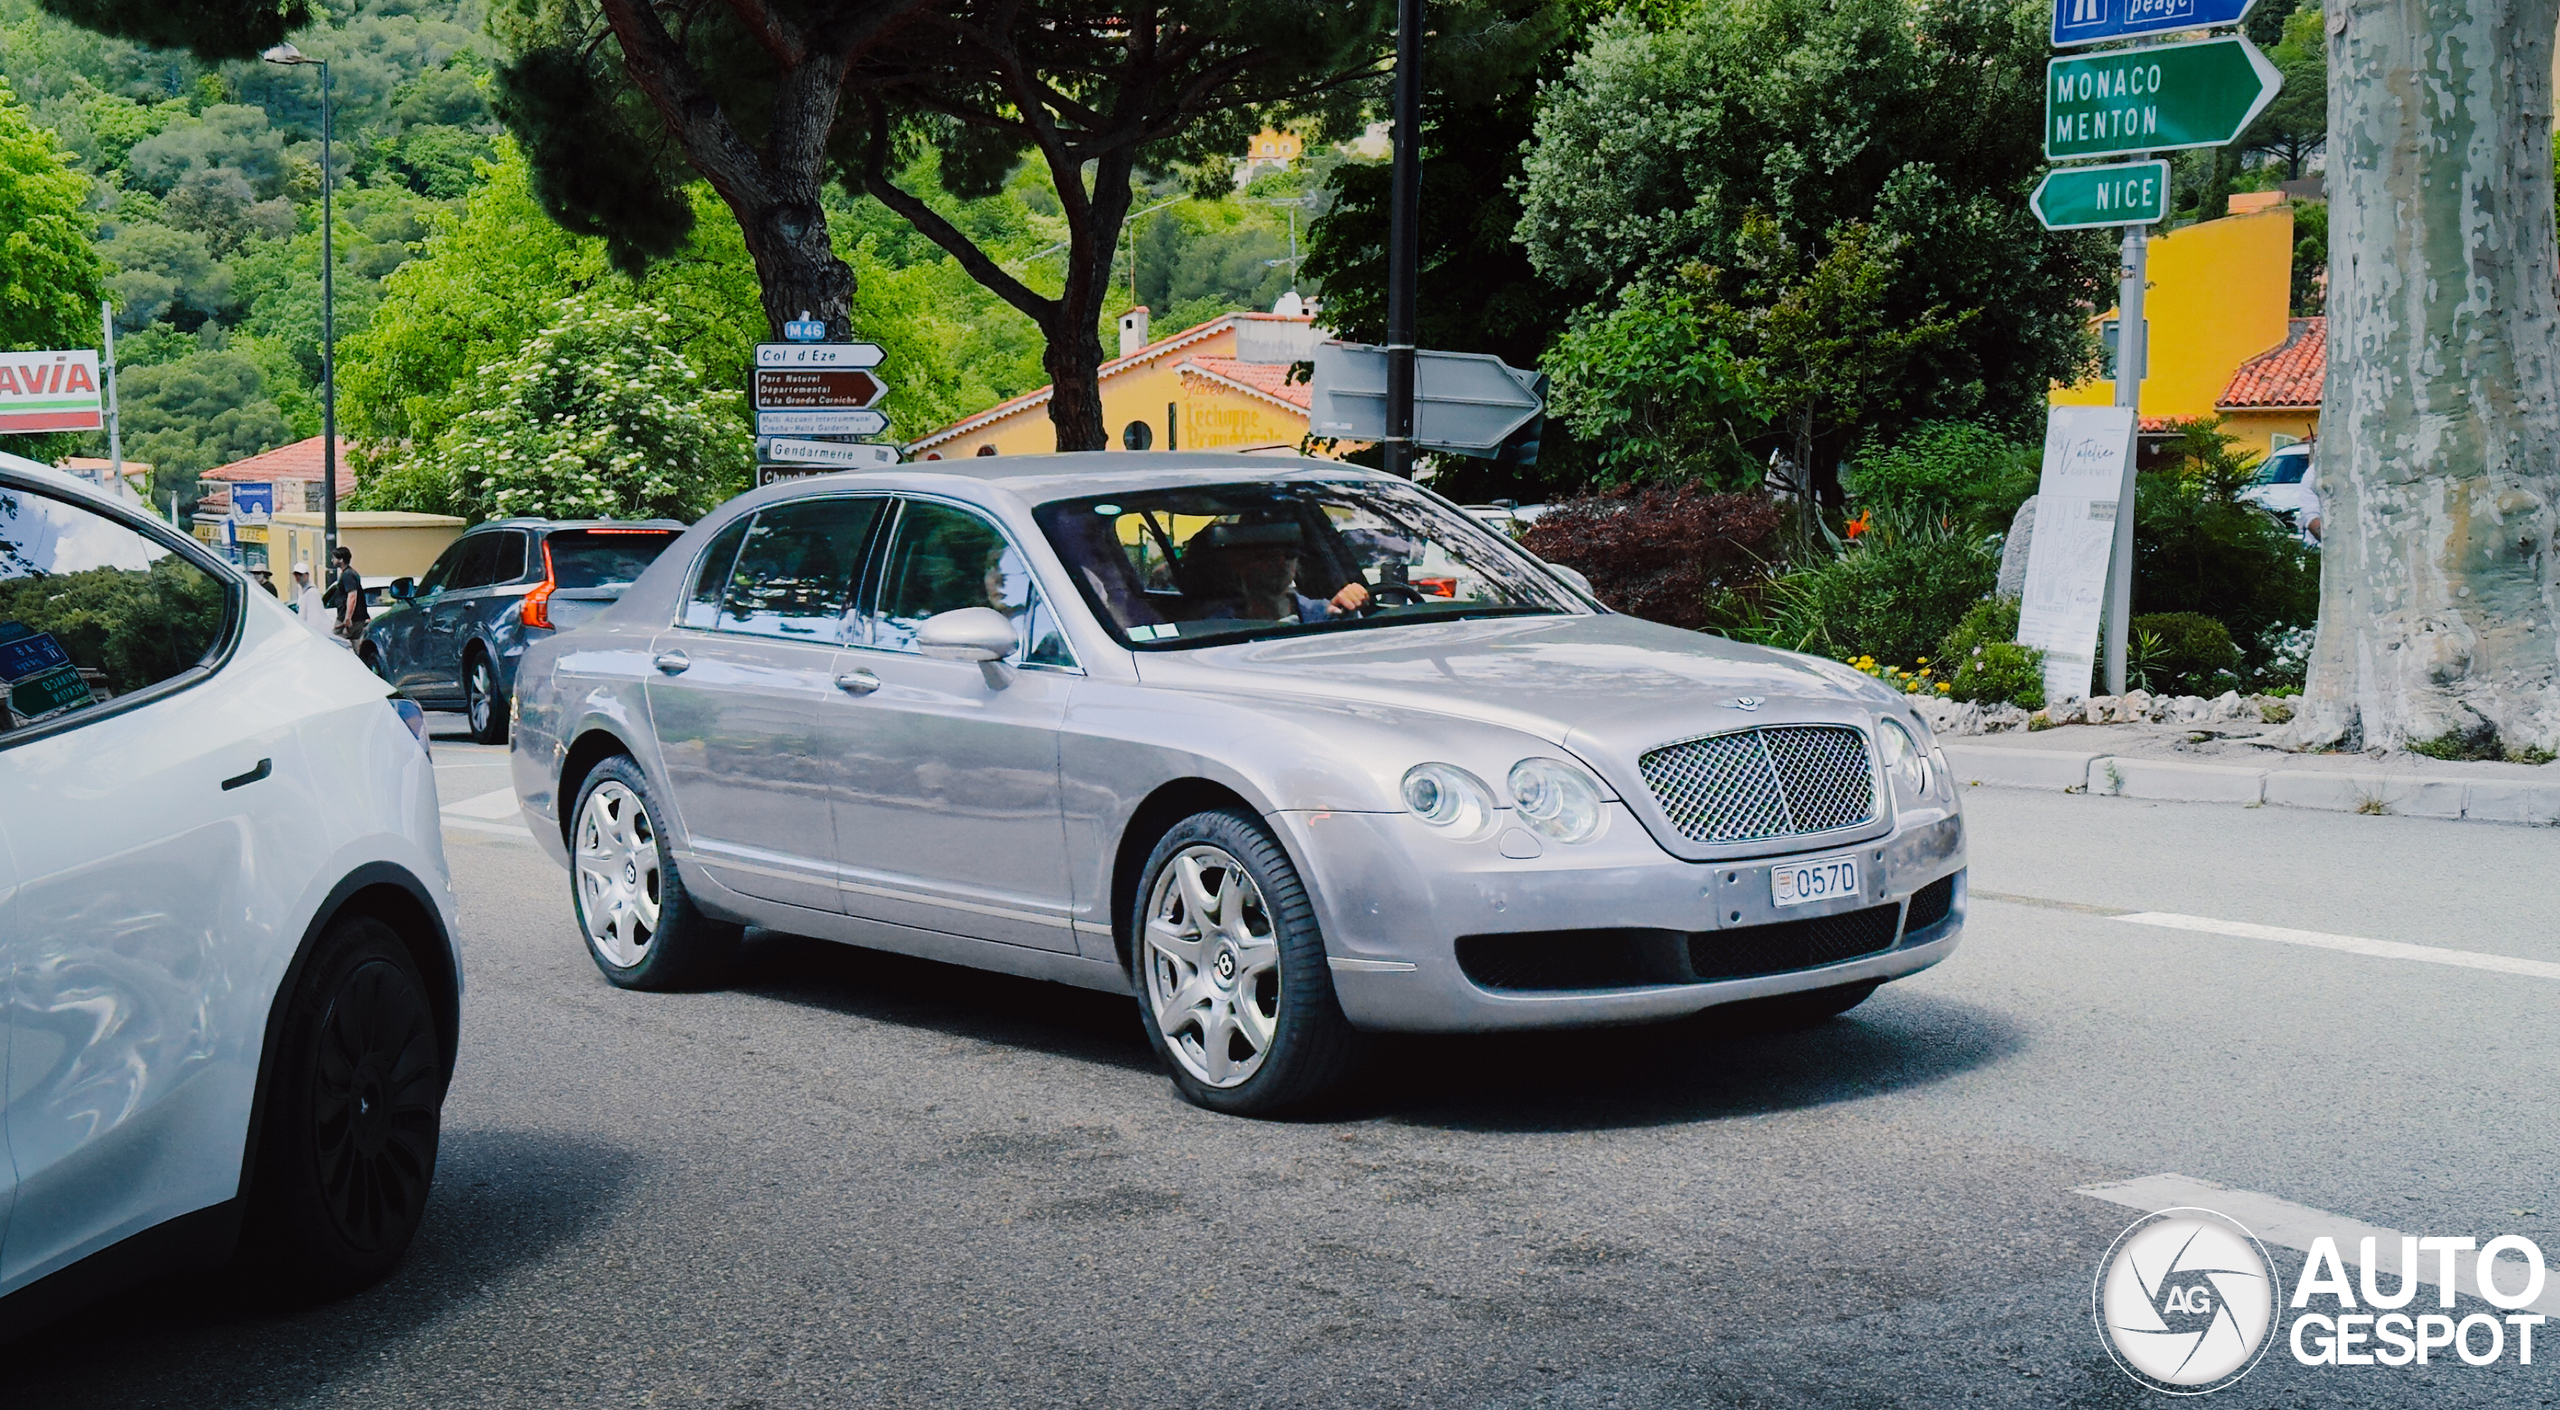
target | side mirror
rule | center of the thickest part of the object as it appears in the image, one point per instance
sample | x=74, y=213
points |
x=978, y=634
x=403, y=589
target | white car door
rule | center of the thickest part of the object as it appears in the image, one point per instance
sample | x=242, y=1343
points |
x=149, y=786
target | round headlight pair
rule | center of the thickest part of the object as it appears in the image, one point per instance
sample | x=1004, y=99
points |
x=1904, y=760
x=1559, y=800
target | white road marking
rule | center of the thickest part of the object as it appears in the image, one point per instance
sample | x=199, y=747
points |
x=2349, y=944
x=2294, y=1226
x=500, y=829
x=495, y=805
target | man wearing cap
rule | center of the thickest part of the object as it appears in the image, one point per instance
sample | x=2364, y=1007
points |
x=306, y=601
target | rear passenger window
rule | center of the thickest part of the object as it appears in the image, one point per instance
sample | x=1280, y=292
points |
x=711, y=576
x=795, y=572
x=506, y=557
x=91, y=609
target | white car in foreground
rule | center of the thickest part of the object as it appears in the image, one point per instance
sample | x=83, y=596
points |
x=229, y=991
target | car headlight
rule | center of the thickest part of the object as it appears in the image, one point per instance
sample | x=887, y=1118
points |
x=1445, y=795
x=1904, y=760
x=1556, y=798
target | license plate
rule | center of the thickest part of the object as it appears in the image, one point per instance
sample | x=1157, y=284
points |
x=1822, y=879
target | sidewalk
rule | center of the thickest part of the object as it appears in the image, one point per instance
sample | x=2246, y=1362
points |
x=2231, y=762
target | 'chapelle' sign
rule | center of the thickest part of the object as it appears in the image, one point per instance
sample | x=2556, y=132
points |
x=50, y=391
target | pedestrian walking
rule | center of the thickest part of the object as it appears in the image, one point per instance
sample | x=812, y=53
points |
x=348, y=590
x=307, y=604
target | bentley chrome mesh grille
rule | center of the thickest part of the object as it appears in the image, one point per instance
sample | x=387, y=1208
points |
x=1775, y=781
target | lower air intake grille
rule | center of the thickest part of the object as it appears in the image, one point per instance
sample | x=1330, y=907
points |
x=1749, y=950
x=1930, y=904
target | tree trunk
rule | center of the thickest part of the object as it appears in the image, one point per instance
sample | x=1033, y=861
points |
x=797, y=271
x=2440, y=456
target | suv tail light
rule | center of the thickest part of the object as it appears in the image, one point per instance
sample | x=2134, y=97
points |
x=537, y=603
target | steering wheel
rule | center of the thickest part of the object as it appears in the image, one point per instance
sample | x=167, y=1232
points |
x=1379, y=596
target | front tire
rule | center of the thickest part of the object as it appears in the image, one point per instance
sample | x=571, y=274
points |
x=1230, y=971
x=484, y=701
x=641, y=926
x=347, y=1150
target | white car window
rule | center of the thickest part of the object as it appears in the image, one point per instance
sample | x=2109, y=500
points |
x=92, y=610
x=944, y=559
x=794, y=577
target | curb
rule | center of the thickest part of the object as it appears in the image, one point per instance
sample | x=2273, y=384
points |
x=2508, y=800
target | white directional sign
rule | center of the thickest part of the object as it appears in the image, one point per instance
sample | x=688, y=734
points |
x=844, y=455
x=1461, y=401
x=864, y=422
x=859, y=355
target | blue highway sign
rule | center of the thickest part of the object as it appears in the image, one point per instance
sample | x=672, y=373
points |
x=2077, y=22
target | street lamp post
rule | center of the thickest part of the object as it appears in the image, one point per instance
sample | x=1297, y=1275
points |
x=288, y=55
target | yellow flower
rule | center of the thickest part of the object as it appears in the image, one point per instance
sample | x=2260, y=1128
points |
x=1943, y=685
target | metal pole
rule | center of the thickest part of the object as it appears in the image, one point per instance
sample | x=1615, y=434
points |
x=328, y=345
x=115, y=427
x=2131, y=352
x=1404, y=238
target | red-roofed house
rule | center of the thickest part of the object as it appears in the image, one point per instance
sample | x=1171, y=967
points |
x=1222, y=385
x=2278, y=391
x=294, y=470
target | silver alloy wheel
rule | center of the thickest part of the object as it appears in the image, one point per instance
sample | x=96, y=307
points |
x=1212, y=966
x=476, y=693
x=618, y=874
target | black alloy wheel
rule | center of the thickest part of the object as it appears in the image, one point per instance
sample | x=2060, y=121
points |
x=348, y=1149
x=483, y=703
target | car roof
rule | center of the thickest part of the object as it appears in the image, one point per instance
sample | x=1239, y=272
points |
x=555, y=525
x=1038, y=479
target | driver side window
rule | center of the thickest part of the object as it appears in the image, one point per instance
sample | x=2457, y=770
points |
x=944, y=559
x=439, y=575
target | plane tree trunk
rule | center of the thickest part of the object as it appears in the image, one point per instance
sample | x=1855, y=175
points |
x=2440, y=422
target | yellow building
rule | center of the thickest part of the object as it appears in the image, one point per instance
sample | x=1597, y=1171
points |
x=387, y=543
x=2222, y=341
x=1220, y=386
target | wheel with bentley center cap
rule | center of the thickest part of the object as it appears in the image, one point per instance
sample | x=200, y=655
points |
x=641, y=925
x=1230, y=971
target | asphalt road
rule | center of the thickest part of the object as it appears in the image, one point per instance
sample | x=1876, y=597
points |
x=855, y=1179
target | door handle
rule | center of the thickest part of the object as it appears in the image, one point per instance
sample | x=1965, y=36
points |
x=264, y=768
x=857, y=682
x=672, y=662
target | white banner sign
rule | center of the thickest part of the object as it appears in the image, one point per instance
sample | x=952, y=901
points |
x=2084, y=462
x=843, y=454
x=861, y=355
x=50, y=391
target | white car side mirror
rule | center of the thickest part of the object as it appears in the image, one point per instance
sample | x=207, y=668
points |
x=979, y=634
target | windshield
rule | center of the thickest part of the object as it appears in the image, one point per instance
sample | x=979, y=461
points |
x=1180, y=567
x=594, y=558
x=2282, y=469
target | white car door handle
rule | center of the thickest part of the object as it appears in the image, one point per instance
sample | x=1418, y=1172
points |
x=672, y=662
x=857, y=682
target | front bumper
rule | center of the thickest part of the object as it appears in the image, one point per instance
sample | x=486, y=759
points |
x=1394, y=896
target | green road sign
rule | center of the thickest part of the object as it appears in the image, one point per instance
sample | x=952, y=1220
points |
x=2079, y=197
x=2154, y=99
x=39, y=696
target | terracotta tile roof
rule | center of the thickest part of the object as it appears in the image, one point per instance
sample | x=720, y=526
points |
x=1147, y=354
x=298, y=461
x=1268, y=379
x=2288, y=375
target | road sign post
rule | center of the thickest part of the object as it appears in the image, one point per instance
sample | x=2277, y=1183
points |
x=2155, y=98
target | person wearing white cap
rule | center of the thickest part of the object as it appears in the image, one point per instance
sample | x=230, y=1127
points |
x=306, y=602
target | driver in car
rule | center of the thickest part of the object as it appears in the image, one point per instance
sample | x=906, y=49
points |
x=1260, y=563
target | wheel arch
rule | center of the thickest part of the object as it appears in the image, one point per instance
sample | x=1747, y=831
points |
x=1170, y=803
x=387, y=892
x=592, y=747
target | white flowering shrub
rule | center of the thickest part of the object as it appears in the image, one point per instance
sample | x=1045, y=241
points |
x=594, y=418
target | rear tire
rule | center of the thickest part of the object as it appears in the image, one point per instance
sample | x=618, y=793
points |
x=1229, y=968
x=642, y=927
x=347, y=1148
x=484, y=701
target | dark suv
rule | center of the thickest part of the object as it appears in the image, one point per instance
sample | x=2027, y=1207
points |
x=453, y=636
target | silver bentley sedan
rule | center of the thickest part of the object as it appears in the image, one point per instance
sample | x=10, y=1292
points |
x=1291, y=751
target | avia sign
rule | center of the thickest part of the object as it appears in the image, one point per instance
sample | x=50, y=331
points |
x=50, y=391
x=2154, y=99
